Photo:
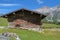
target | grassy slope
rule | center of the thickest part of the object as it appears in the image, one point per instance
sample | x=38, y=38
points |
x=3, y=22
x=50, y=25
x=31, y=35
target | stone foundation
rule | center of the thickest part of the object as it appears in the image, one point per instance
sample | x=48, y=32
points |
x=24, y=25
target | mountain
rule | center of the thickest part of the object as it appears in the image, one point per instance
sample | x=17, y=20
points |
x=45, y=10
x=53, y=13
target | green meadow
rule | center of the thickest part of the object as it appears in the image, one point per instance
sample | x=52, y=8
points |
x=50, y=25
x=33, y=35
x=3, y=22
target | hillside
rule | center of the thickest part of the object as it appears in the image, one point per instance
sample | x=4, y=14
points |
x=31, y=35
x=3, y=22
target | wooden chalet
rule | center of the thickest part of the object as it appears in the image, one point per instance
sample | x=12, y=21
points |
x=24, y=18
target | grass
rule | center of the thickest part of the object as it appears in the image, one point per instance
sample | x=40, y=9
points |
x=3, y=22
x=31, y=35
x=50, y=25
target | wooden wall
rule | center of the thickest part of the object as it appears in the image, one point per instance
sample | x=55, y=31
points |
x=27, y=16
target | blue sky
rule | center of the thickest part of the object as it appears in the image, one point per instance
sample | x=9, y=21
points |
x=11, y=5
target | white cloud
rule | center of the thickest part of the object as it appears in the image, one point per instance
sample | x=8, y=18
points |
x=10, y=4
x=40, y=2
